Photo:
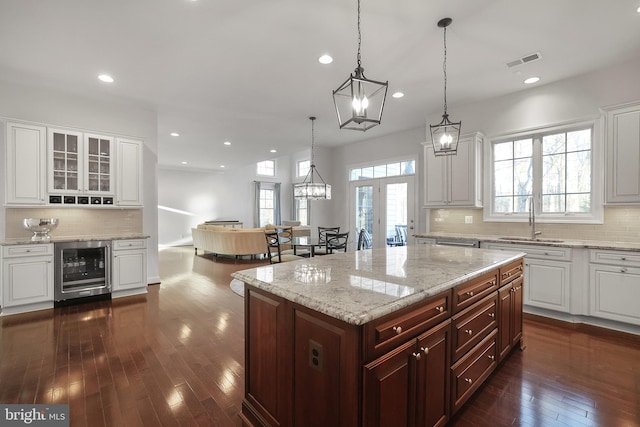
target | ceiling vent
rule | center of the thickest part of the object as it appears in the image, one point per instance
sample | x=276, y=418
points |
x=524, y=60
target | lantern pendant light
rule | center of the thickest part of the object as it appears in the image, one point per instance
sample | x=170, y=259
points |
x=308, y=189
x=446, y=134
x=359, y=101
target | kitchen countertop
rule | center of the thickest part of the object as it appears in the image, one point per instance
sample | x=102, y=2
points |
x=360, y=286
x=59, y=239
x=561, y=243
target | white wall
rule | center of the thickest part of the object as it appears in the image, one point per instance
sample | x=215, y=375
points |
x=208, y=195
x=52, y=107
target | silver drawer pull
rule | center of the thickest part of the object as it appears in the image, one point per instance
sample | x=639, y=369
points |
x=469, y=380
x=440, y=309
x=425, y=350
x=492, y=357
x=416, y=355
x=623, y=270
x=470, y=293
x=397, y=330
x=468, y=331
x=492, y=315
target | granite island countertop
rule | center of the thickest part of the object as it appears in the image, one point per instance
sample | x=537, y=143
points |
x=541, y=241
x=59, y=239
x=357, y=287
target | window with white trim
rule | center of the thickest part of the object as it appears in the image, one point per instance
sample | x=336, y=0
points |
x=554, y=167
x=384, y=170
x=302, y=168
x=302, y=211
x=266, y=168
x=267, y=204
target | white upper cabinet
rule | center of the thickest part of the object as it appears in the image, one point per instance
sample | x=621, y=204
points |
x=80, y=163
x=129, y=172
x=623, y=155
x=25, y=163
x=454, y=181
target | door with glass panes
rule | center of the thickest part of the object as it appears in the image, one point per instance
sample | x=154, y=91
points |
x=384, y=207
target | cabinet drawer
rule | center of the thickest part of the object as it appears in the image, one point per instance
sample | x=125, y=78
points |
x=470, y=371
x=36, y=249
x=119, y=245
x=535, y=251
x=473, y=324
x=466, y=294
x=510, y=272
x=387, y=332
x=627, y=258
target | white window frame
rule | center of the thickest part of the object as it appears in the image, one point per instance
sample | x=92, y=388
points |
x=596, y=216
x=273, y=162
x=297, y=203
x=262, y=208
x=300, y=174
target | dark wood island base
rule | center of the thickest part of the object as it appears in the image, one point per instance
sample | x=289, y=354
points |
x=416, y=366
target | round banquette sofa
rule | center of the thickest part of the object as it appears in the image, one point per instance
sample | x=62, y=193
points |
x=235, y=241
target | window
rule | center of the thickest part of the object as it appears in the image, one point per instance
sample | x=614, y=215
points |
x=384, y=170
x=555, y=167
x=302, y=211
x=303, y=168
x=267, y=168
x=267, y=203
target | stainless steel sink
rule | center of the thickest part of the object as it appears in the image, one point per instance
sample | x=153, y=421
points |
x=528, y=239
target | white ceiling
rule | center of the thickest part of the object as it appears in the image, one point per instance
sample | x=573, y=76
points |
x=247, y=71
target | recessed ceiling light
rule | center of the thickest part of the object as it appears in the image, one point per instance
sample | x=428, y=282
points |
x=105, y=78
x=325, y=59
x=184, y=163
x=638, y=9
x=174, y=134
x=227, y=143
x=273, y=151
x=398, y=95
x=222, y=166
x=531, y=80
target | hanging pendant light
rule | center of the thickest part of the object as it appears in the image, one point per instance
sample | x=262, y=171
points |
x=359, y=101
x=445, y=135
x=309, y=189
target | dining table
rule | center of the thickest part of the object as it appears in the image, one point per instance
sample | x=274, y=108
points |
x=305, y=242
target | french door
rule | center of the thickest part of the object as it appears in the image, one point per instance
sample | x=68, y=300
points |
x=383, y=207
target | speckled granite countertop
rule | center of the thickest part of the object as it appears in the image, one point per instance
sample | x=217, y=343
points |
x=542, y=241
x=360, y=286
x=55, y=239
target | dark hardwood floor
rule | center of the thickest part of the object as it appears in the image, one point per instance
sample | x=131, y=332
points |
x=175, y=357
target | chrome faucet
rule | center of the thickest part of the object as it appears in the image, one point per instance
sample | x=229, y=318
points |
x=532, y=218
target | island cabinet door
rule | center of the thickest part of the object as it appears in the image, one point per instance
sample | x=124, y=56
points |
x=389, y=382
x=433, y=373
x=409, y=386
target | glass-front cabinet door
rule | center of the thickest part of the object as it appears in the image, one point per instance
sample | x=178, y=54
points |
x=80, y=163
x=65, y=161
x=99, y=160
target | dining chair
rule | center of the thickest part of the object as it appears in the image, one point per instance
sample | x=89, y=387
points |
x=322, y=233
x=401, y=235
x=364, y=240
x=273, y=249
x=336, y=242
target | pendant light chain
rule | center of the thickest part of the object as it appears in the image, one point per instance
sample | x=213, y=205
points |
x=313, y=119
x=359, y=35
x=444, y=68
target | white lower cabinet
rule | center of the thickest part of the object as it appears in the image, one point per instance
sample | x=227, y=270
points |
x=614, y=286
x=547, y=275
x=547, y=284
x=129, y=258
x=27, y=277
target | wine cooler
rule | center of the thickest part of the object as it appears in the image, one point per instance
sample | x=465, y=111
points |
x=82, y=269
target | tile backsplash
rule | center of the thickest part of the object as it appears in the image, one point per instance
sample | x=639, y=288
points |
x=621, y=224
x=77, y=221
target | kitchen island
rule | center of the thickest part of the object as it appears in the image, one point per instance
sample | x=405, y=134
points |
x=396, y=336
